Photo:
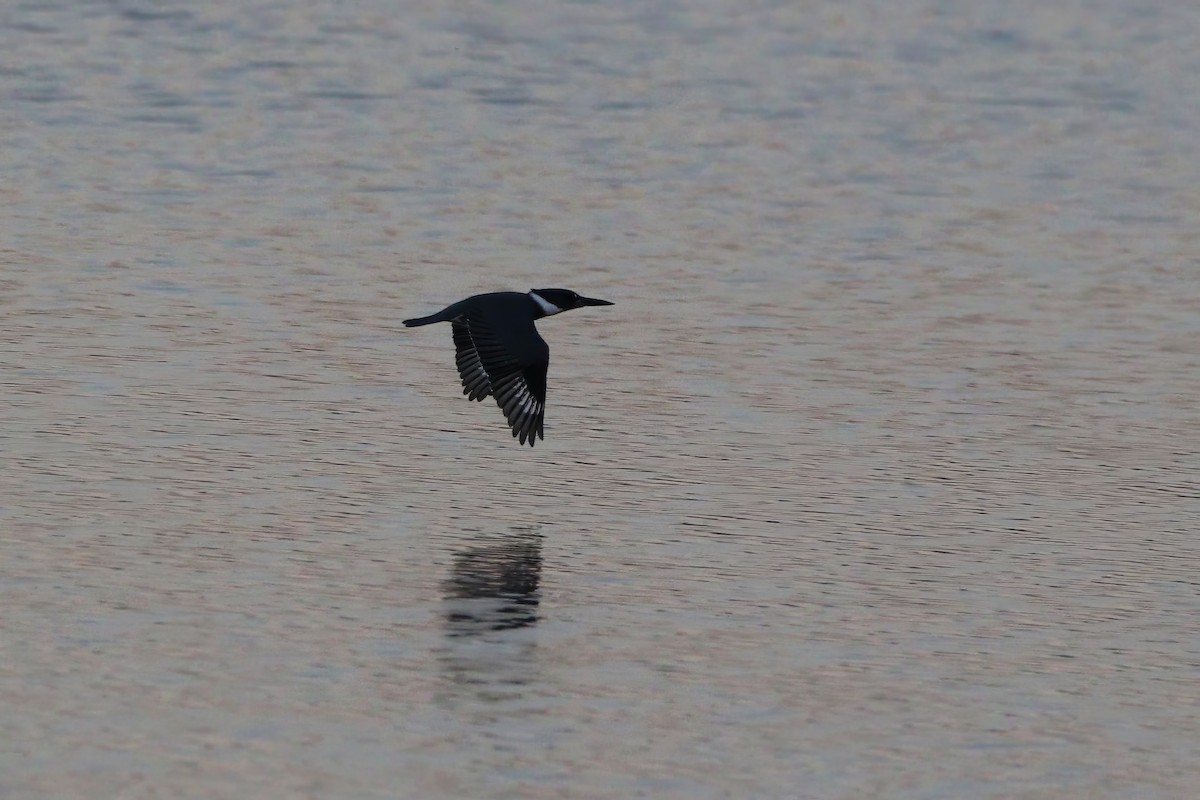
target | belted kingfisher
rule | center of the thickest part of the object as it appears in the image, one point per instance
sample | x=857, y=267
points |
x=500, y=353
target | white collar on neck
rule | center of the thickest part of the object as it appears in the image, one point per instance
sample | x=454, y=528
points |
x=547, y=307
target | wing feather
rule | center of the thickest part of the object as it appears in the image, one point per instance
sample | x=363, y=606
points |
x=488, y=366
x=475, y=381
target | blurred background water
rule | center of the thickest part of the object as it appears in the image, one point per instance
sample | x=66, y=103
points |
x=879, y=479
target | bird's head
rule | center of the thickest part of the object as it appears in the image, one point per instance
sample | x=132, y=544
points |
x=555, y=301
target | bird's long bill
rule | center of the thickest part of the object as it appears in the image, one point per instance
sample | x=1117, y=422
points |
x=590, y=301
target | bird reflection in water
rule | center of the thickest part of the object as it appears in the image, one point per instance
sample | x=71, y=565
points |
x=490, y=608
x=494, y=587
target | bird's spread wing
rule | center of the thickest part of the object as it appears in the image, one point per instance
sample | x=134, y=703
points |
x=474, y=377
x=488, y=364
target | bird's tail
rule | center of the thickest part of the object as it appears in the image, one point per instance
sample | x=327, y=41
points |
x=419, y=321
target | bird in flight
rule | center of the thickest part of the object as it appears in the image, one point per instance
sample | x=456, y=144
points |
x=500, y=353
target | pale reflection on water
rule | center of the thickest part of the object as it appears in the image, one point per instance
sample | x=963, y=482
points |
x=490, y=608
x=494, y=587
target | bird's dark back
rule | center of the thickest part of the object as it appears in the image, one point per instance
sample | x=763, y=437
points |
x=510, y=315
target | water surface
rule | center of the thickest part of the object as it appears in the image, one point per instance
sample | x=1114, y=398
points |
x=879, y=479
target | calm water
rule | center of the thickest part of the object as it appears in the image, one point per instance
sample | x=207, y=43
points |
x=879, y=479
